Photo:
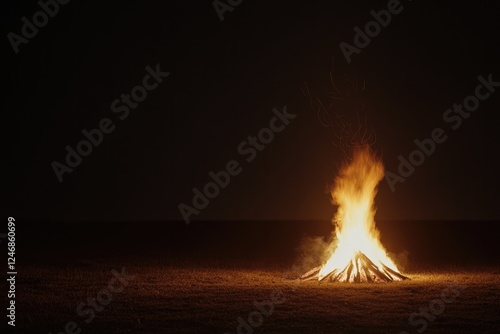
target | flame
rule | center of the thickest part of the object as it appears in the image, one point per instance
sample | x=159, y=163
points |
x=354, y=192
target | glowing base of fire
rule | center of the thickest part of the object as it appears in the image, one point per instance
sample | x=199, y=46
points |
x=360, y=269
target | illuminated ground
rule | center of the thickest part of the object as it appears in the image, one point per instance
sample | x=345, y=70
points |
x=209, y=299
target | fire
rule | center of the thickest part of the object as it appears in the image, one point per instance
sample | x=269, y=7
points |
x=358, y=256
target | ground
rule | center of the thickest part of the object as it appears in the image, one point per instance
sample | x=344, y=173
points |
x=209, y=298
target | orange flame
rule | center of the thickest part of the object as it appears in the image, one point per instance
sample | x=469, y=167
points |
x=354, y=192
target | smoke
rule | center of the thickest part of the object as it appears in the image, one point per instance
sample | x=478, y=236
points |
x=312, y=252
x=401, y=259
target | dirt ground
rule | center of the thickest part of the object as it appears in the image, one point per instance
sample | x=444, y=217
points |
x=158, y=298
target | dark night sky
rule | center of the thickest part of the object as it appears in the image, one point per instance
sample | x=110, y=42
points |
x=225, y=79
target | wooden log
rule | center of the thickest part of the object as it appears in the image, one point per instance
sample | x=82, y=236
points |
x=357, y=278
x=327, y=276
x=368, y=274
x=349, y=271
x=311, y=274
x=395, y=273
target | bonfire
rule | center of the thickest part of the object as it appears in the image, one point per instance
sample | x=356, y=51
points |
x=356, y=252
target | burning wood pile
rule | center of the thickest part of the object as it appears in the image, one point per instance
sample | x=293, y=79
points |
x=357, y=254
x=360, y=269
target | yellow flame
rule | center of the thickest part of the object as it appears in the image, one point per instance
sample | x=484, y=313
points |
x=354, y=192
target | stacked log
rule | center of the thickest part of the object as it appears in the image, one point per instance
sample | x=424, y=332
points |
x=360, y=269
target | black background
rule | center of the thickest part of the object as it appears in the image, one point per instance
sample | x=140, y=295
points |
x=225, y=79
